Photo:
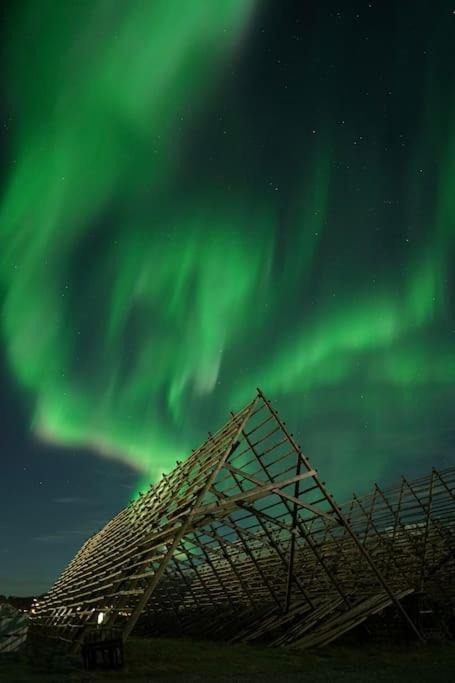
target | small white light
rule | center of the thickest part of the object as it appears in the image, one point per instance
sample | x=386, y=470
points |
x=100, y=618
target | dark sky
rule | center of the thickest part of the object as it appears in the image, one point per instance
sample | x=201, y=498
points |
x=202, y=197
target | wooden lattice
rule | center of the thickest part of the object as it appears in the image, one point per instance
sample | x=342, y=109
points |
x=242, y=540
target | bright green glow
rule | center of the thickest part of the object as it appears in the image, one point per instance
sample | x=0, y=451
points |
x=141, y=304
x=330, y=349
x=117, y=84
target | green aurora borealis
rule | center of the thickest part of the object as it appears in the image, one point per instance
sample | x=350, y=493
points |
x=182, y=220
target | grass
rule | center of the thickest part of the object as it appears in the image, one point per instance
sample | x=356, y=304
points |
x=186, y=660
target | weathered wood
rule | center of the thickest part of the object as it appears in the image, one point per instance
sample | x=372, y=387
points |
x=243, y=540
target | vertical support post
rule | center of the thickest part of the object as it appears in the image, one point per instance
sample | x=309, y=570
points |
x=347, y=527
x=293, y=539
x=425, y=536
x=269, y=477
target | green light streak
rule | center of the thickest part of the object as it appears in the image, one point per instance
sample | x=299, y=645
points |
x=140, y=303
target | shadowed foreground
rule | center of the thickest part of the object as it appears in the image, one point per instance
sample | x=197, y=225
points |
x=166, y=659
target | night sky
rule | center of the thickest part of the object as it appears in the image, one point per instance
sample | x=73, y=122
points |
x=202, y=196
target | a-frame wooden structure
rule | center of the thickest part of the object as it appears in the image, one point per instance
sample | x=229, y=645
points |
x=242, y=539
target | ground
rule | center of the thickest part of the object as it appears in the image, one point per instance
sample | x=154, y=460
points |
x=185, y=660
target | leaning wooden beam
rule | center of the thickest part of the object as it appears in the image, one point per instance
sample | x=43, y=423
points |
x=181, y=533
x=361, y=548
x=242, y=539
